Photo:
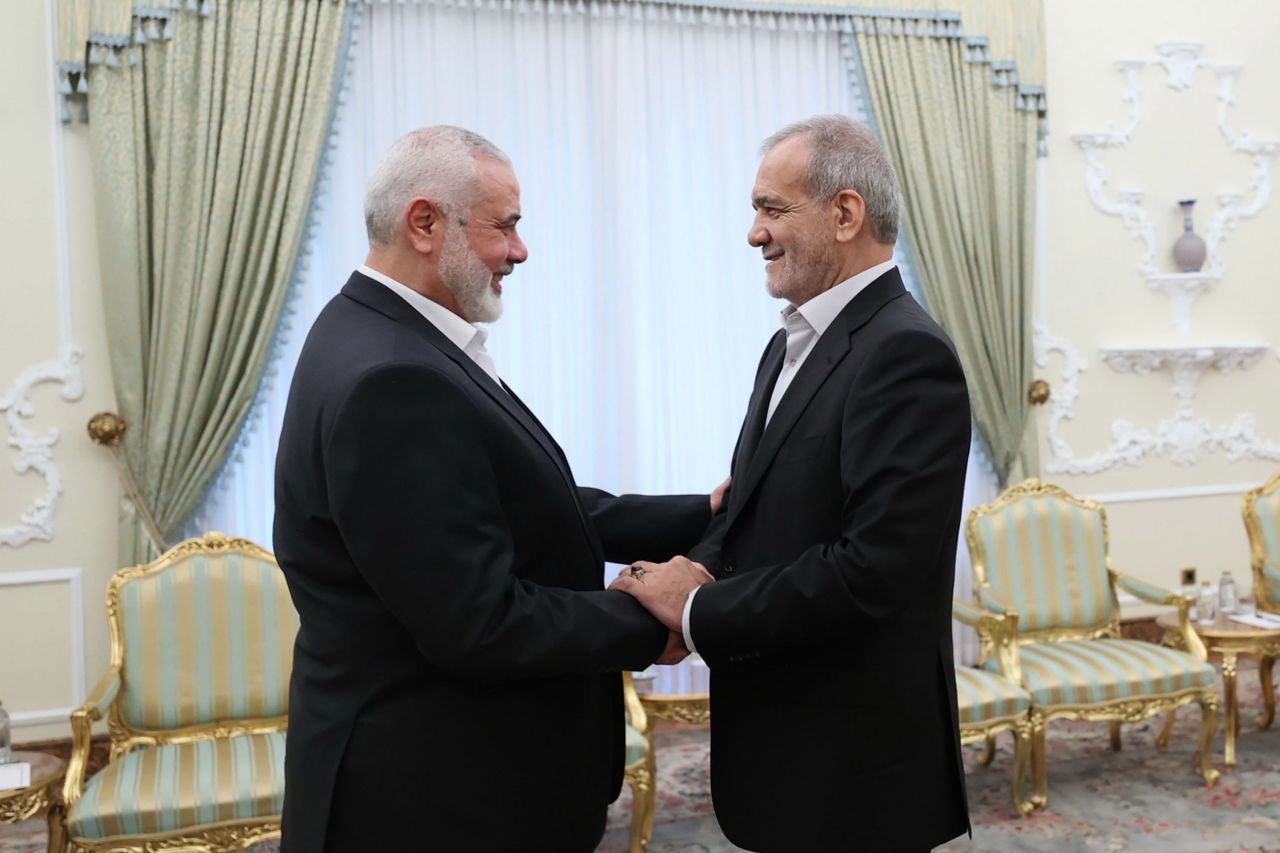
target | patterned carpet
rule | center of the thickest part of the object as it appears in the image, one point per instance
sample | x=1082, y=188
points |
x=1137, y=799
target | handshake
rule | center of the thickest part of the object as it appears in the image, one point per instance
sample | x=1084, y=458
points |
x=663, y=589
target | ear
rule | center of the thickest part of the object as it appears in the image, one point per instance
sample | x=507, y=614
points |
x=850, y=213
x=424, y=224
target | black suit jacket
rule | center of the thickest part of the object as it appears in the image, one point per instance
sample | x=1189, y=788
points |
x=455, y=680
x=828, y=629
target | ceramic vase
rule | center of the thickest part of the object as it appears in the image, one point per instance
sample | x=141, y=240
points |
x=1189, y=251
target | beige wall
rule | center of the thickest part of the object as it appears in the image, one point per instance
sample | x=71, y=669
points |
x=1093, y=295
x=44, y=661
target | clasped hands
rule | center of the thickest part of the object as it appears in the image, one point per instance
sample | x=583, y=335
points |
x=663, y=589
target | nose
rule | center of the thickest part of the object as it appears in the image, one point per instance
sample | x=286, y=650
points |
x=758, y=235
x=517, y=252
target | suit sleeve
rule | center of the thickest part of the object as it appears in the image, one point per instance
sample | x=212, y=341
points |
x=904, y=448
x=643, y=527
x=415, y=499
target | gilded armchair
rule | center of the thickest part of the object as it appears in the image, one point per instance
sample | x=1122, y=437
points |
x=1262, y=522
x=990, y=703
x=196, y=703
x=1040, y=560
x=641, y=769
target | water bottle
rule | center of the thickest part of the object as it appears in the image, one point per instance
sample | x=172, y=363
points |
x=1206, y=605
x=1228, y=601
x=6, y=747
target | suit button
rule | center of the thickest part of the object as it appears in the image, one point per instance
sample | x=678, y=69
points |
x=728, y=569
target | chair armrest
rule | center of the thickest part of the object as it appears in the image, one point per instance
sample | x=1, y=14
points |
x=969, y=614
x=998, y=634
x=1148, y=592
x=1271, y=572
x=987, y=598
x=631, y=702
x=1159, y=595
x=82, y=720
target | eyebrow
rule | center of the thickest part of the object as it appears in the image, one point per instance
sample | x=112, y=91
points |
x=765, y=201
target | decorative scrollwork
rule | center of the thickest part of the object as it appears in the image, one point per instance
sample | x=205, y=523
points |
x=225, y=838
x=27, y=803
x=35, y=451
x=695, y=710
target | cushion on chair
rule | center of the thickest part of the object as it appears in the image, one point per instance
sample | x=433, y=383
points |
x=209, y=638
x=987, y=696
x=179, y=786
x=637, y=746
x=1046, y=558
x=1092, y=672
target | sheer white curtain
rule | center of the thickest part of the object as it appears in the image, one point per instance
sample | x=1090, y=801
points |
x=635, y=327
x=980, y=487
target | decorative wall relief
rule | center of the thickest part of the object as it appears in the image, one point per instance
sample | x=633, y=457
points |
x=1184, y=438
x=35, y=450
x=1181, y=63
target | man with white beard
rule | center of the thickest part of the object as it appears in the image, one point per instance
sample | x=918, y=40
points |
x=455, y=681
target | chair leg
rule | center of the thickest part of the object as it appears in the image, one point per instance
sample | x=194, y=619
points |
x=642, y=803
x=1021, y=758
x=1115, y=735
x=989, y=752
x=1162, y=740
x=1268, y=691
x=56, y=818
x=1208, y=728
x=1039, y=768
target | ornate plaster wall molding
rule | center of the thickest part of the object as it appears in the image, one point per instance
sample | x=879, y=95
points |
x=34, y=451
x=1185, y=438
x=1181, y=62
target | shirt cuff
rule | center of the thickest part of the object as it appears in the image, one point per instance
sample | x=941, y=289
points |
x=684, y=622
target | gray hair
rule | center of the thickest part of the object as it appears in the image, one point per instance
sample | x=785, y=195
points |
x=845, y=155
x=438, y=163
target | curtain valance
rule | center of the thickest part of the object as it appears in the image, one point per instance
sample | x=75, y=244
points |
x=1004, y=34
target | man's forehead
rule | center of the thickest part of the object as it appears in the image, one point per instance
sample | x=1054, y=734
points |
x=501, y=189
x=782, y=169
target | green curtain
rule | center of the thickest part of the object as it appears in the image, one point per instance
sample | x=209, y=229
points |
x=964, y=139
x=208, y=125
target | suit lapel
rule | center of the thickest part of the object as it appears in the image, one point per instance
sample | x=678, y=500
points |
x=374, y=295
x=829, y=351
x=558, y=454
x=753, y=426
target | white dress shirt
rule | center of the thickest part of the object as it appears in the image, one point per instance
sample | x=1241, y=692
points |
x=804, y=325
x=465, y=336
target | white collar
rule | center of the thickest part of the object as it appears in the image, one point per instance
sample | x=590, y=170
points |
x=822, y=310
x=457, y=330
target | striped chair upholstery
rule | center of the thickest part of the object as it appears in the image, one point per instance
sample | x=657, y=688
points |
x=1262, y=520
x=1102, y=671
x=1046, y=558
x=208, y=638
x=984, y=696
x=170, y=787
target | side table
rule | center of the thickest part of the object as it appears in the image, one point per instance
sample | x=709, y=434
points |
x=677, y=707
x=44, y=794
x=1231, y=639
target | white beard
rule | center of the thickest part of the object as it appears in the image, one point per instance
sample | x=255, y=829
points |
x=468, y=279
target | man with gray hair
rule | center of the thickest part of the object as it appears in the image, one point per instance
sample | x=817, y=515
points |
x=455, y=679
x=827, y=627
